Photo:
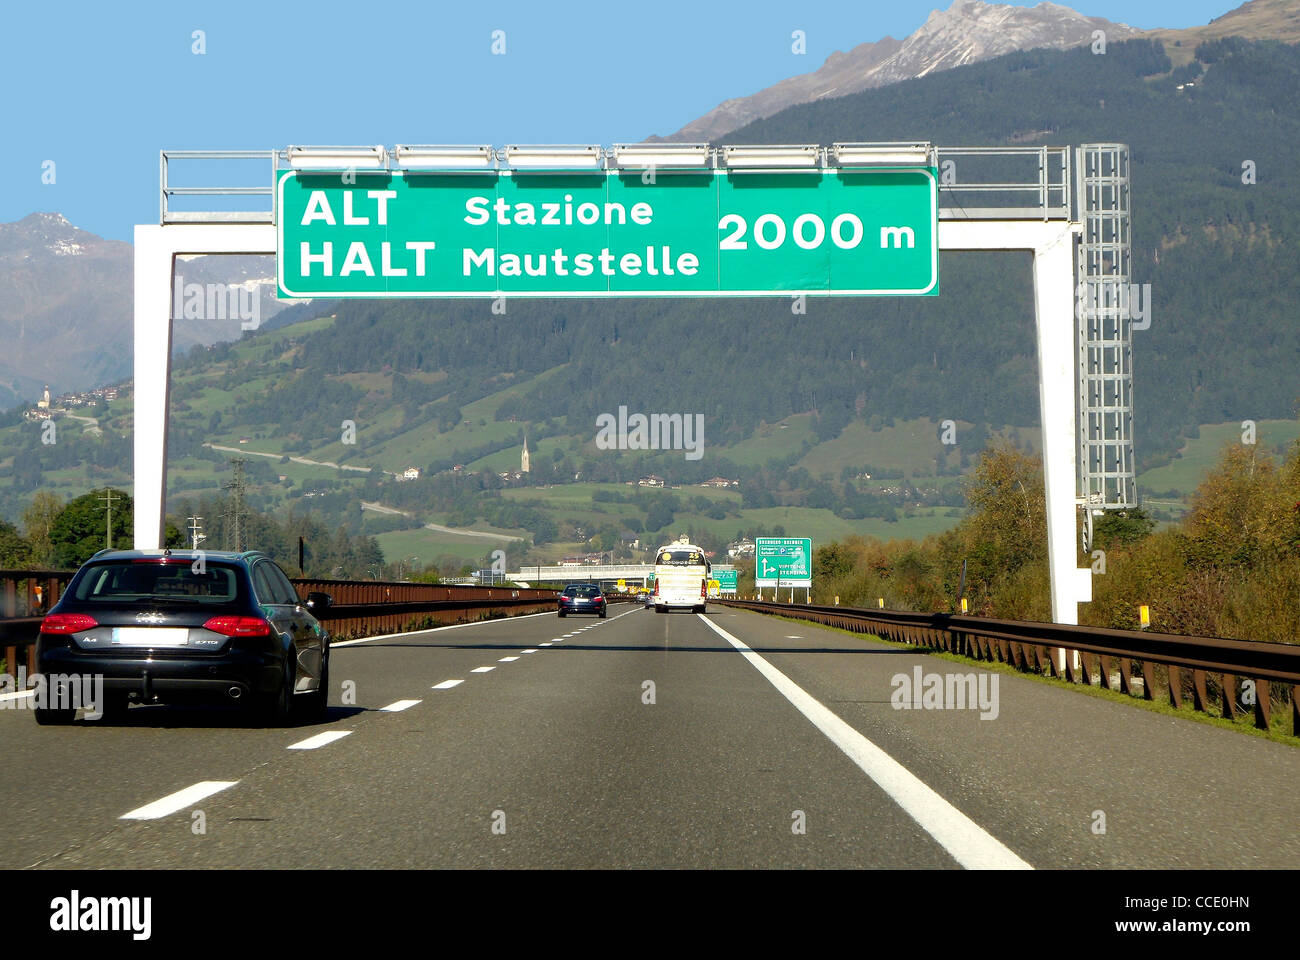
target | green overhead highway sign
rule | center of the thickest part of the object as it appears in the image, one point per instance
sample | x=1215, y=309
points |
x=782, y=561
x=850, y=231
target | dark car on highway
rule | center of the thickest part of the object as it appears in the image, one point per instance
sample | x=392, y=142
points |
x=171, y=626
x=583, y=598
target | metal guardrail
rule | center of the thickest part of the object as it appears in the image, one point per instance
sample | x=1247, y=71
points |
x=1029, y=646
x=25, y=595
x=365, y=608
x=1004, y=183
x=169, y=190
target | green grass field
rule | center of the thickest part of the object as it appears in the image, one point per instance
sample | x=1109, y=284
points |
x=773, y=440
x=1200, y=455
x=431, y=545
x=910, y=446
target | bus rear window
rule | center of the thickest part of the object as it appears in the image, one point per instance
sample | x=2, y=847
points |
x=679, y=558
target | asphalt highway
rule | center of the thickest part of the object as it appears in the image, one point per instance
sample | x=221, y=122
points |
x=728, y=740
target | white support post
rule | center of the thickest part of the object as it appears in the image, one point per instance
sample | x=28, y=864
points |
x=1052, y=246
x=156, y=248
x=153, y=368
x=1054, y=310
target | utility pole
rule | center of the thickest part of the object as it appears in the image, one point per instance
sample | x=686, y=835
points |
x=108, y=499
x=196, y=532
x=235, y=507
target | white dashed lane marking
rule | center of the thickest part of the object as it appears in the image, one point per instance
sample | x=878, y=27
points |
x=529, y=650
x=320, y=740
x=482, y=669
x=507, y=660
x=399, y=706
x=447, y=684
x=178, y=800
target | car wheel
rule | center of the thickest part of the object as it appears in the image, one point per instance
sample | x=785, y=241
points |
x=277, y=707
x=561, y=614
x=602, y=614
x=316, y=704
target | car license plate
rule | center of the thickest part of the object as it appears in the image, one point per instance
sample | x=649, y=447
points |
x=151, y=636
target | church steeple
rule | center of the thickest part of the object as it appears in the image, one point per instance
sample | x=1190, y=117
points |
x=523, y=457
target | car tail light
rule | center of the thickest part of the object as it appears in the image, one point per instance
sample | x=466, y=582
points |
x=239, y=626
x=68, y=623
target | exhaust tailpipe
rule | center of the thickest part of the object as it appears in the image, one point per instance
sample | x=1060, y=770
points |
x=235, y=693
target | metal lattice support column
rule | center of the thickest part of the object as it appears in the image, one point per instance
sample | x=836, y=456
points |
x=1104, y=338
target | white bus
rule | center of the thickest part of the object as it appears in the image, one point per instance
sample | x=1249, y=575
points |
x=681, y=578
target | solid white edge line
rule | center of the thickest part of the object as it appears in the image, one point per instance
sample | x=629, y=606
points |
x=178, y=800
x=398, y=706
x=16, y=695
x=447, y=684
x=965, y=840
x=450, y=626
x=320, y=740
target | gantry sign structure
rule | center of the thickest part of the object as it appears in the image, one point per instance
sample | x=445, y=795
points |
x=681, y=220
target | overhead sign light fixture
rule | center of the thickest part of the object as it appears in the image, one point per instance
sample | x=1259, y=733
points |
x=758, y=157
x=453, y=157
x=337, y=158
x=910, y=154
x=577, y=157
x=663, y=156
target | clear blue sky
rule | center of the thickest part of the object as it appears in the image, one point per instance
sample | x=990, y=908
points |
x=99, y=87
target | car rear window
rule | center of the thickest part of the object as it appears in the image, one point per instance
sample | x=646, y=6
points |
x=129, y=582
x=582, y=591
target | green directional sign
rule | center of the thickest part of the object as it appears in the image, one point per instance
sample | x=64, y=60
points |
x=850, y=231
x=727, y=580
x=782, y=561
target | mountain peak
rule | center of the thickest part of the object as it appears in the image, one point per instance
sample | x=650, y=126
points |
x=966, y=32
x=45, y=232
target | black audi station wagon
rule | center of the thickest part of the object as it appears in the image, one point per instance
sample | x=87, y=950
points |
x=170, y=626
